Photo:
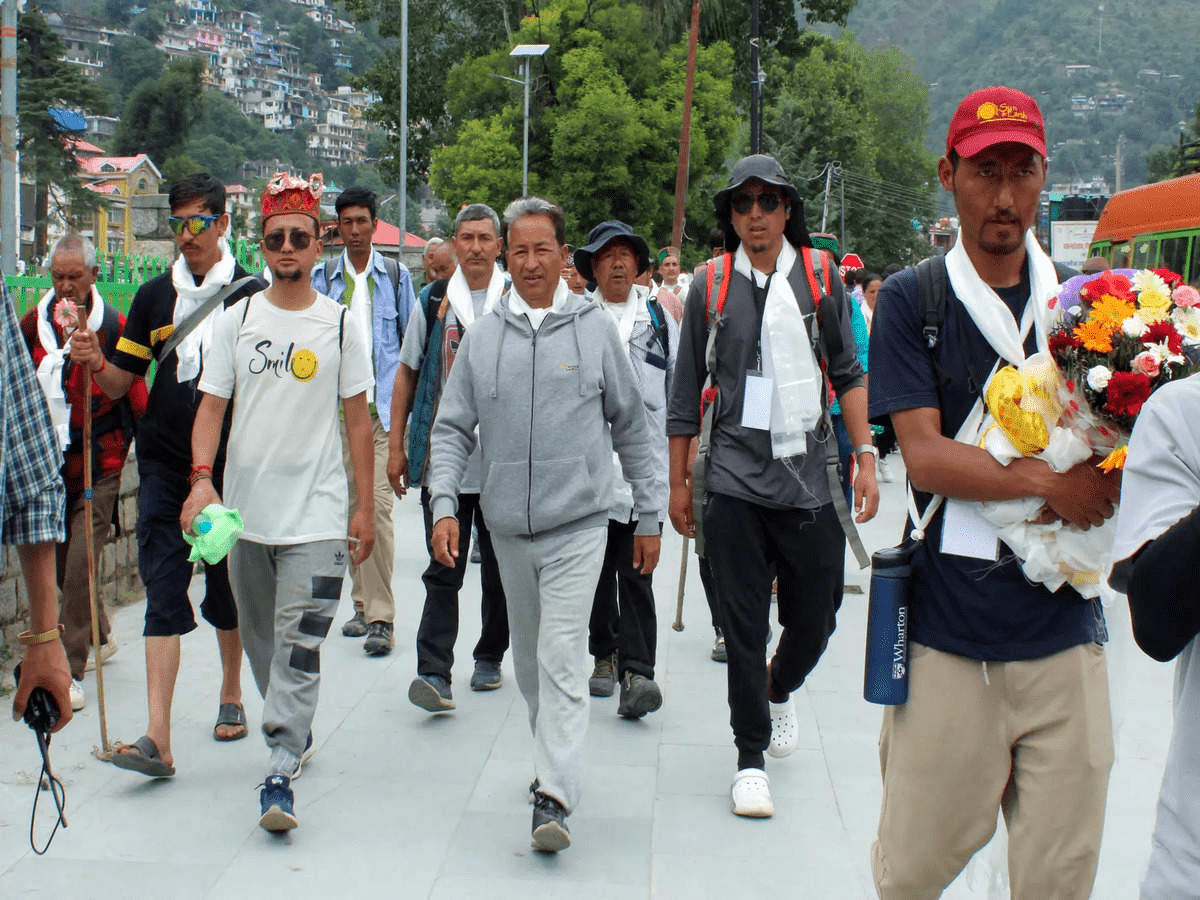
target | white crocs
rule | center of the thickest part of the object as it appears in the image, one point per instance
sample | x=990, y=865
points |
x=785, y=731
x=750, y=794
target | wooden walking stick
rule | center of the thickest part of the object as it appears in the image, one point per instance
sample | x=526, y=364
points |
x=678, y=623
x=104, y=751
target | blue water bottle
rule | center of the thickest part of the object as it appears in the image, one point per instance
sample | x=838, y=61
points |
x=886, y=678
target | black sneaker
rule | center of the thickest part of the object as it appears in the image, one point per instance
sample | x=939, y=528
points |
x=355, y=627
x=276, y=801
x=309, y=751
x=550, y=832
x=604, y=676
x=380, y=639
x=431, y=693
x=718, y=651
x=486, y=676
x=639, y=695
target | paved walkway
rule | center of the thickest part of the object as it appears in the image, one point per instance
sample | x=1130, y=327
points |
x=398, y=803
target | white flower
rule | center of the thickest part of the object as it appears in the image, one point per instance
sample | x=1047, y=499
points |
x=1098, y=376
x=1133, y=327
x=1074, y=311
x=1146, y=280
x=1164, y=355
x=1187, y=323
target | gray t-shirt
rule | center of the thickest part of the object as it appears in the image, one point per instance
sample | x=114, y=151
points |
x=412, y=354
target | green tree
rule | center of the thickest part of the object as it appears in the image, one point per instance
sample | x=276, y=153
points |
x=46, y=148
x=160, y=112
x=131, y=60
x=839, y=102
x=604, y=136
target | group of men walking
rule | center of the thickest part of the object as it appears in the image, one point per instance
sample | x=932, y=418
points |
x=564, y=429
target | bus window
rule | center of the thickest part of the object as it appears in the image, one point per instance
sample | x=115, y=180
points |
x=1174, y=255
x=1145, y=253
x=1119, y=256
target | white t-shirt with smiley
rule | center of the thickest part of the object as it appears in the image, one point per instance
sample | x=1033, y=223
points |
x=286, y=371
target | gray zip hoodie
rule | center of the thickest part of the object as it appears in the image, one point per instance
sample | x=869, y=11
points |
x=551, y=406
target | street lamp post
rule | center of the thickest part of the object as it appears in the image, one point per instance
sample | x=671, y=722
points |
x=526, y=52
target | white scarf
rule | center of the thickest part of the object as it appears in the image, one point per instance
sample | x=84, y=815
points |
x=628, y=313
x=787, y=359
x=993, y=317
x=189, y=297
x=49, y=372
x=458, y=292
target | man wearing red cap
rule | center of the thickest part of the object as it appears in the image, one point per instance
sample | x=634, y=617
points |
x=286, y=356
x=1008, y=695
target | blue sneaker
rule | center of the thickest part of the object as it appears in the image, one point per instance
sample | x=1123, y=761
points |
x=276, y=801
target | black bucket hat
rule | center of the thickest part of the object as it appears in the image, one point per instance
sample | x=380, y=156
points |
x=767, y=170
x=603, y=235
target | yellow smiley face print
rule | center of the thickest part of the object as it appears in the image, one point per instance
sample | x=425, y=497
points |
x=304, y=365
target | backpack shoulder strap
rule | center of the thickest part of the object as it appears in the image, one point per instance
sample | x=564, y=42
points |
x=342, y=327
x=433, y=304
x=393, y=273
x=932, y=282
x=330, y=268
x=658, y=321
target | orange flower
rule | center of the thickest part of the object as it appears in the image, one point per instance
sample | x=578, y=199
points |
x=1115, y=460
x=1111, y=310
x=1095, y=336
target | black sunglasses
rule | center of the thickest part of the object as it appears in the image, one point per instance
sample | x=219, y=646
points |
x=767, y=202
x=300, y=239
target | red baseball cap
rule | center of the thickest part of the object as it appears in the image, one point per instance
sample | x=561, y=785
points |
x=995, y=115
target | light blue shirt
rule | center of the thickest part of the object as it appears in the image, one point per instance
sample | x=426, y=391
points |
x=390, y=311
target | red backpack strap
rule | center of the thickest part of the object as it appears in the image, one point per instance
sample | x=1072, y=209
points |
x=718, y=273
x=809, y=270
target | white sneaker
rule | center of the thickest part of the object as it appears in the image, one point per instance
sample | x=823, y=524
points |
x=107, y=651
x=885, y=472
x=78, y=699
x=785, y=730
x=750, y=795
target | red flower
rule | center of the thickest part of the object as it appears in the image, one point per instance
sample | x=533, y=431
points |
x=1109, y=282
x=1127, y=391
x=1061, y=341
x=1171, y=278
x=1164, y=331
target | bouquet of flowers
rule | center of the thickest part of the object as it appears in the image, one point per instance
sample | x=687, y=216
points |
x=1118, y=336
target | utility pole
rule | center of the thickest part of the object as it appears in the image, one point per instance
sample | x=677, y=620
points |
x=685, y=134
x=828, y=185
x=403, y=131
x=10, y=189
x=755, y=82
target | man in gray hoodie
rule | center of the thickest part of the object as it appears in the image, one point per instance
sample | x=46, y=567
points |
x=549, y=385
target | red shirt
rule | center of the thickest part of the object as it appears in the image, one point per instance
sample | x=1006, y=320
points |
x=112, y=447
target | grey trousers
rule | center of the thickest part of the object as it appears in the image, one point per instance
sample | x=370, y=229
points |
x=549, y=582
x=286, y=597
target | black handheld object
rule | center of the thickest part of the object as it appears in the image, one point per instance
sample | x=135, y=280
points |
x=41, y=712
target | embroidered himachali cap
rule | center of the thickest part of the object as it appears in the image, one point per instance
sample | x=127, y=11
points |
x=665, y=252
x=288, y=194
x=995, y=115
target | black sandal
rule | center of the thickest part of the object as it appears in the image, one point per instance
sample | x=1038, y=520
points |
x=231, y=714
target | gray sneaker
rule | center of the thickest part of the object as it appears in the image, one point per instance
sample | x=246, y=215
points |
x=486, y=676
x=356, y=626
x=604, y=676
x=639, y=695
x=380, y=639
x=550, y=833
x=431, y=693
x=718, y=650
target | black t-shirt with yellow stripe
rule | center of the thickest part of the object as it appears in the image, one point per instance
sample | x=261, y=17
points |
x=164, y=433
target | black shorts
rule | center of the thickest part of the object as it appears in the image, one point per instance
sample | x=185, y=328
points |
x=163, y=559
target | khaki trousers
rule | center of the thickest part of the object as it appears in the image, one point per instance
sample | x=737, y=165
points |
x=1031, y=738
x=372, y=592
x=75, y=614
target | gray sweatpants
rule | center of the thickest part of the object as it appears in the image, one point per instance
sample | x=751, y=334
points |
x=550, y=582
x=286, y=597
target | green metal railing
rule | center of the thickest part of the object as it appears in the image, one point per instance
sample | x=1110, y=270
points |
x=120, y=277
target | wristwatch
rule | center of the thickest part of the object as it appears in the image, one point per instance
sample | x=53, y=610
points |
x=864, y=448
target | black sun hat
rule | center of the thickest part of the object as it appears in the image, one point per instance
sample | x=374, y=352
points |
x=603, y=235
x=766, y=169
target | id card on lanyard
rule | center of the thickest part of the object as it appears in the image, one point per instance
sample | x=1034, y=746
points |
x=759, y=390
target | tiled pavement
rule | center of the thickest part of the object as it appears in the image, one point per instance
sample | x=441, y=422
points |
x=401, y=804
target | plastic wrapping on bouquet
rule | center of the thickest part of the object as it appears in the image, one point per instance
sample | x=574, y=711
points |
x=885, y=680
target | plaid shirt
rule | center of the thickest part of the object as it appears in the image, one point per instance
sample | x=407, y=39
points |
x=32, y=498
